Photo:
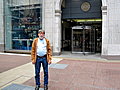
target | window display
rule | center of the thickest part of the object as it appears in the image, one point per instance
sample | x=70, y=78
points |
x=25, y=24
x=24, y=21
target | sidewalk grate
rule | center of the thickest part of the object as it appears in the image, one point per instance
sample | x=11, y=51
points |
x=19, y=87
x=58, y=66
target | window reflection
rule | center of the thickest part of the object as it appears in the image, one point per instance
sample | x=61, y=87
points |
x=24, y=22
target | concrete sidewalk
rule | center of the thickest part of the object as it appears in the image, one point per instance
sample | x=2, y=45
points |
x=16, y=68
x=65, y=74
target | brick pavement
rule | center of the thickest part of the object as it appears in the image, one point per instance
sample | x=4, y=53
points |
x=83, y=75
x=78, y=75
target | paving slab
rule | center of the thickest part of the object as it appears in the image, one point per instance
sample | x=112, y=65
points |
x=19, y=87
x=58, y=66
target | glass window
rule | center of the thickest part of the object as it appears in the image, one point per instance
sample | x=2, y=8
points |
x=22, y=22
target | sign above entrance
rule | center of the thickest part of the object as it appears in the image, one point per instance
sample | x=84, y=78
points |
x=85, y=6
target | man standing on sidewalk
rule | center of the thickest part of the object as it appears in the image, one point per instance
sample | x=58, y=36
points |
x=41, y=53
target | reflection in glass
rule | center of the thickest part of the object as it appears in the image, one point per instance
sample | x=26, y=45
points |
x=22, y=22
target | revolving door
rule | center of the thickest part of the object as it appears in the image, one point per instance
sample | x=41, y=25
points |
x=83, y=39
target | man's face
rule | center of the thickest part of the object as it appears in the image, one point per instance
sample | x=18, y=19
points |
x=41, y=35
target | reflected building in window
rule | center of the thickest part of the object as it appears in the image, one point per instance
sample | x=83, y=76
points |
x=22, y=22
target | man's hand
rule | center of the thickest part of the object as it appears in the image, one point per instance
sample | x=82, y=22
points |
x=49, y=62
x=33, y=62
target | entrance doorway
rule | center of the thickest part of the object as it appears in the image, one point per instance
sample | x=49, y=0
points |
x=82, y=37
x=87, y=15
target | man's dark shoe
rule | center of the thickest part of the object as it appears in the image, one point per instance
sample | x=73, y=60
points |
x=37, y=87
x=45, y=87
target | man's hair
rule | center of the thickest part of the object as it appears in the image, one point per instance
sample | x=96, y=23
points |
x=41, y=31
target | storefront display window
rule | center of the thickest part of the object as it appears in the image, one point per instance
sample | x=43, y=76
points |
x=22, y=22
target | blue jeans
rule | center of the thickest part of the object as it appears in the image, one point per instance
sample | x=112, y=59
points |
x=37, y=70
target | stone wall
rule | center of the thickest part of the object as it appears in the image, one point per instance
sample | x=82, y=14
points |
x=111, y=28
x=1, y=27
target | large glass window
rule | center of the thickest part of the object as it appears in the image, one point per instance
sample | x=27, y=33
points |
x=23, y=19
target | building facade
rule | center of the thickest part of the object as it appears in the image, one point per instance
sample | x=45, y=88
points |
x=77, y=26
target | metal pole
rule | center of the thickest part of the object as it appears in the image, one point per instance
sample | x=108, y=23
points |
x=83, y=40
x=72, y=40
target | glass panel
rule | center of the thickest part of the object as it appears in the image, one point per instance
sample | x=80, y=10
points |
x=83, y=40
x=77, y=41
x=89, y=40
x=22, y=22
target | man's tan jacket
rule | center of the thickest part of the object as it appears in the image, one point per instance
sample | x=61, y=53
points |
x=34, y=50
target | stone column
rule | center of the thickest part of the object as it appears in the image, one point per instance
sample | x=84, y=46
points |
x=57, y=33
x=104, y=31
x=48, y=19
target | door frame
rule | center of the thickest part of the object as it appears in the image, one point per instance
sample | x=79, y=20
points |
x=83, y=44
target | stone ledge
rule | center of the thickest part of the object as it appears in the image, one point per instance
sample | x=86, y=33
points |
x=56, y=53
x=18, y=51
x=111, y=57
x=1, y=47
